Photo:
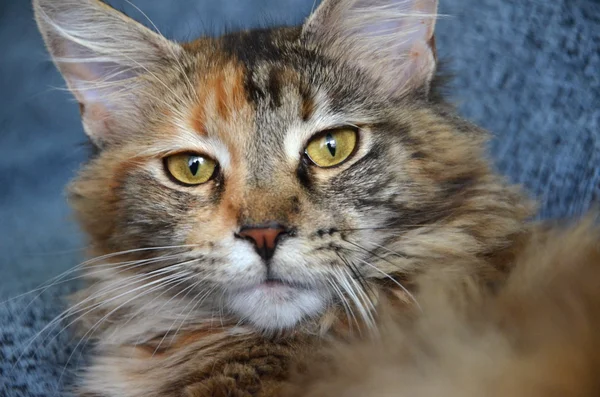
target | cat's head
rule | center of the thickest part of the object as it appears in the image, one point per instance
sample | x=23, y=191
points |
x=284, y=170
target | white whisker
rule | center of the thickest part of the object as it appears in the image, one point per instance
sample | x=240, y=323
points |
x=345, y=305
x=412, y=297
x=182, y=311
x=106, y=316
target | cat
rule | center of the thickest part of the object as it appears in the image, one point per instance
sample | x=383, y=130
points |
x=268, y=194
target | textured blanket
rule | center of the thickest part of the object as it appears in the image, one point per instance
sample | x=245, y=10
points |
x=529, y=71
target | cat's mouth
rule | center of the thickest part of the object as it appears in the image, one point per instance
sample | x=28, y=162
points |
x=274, y=285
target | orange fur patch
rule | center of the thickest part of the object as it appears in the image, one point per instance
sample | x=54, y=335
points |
x=221, y=93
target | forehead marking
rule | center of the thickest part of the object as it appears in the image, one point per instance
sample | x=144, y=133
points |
x=221, y=94
x=308, y=105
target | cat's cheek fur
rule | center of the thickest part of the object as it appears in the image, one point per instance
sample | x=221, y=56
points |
x=276, y=307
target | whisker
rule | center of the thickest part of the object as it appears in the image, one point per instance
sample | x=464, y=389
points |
x=60, y=278
x=361, y=289
x=389, y=250
x=190, y=288
x=182, y=311
x=384, y=273
x=345, y=305
x=356, y=294
x=175, y=57
x=111, y=288
x=356, y=272
x=195, y=284
x=136, y=279
x=405, y=227
x=102, y=257
x=97, y=324
x=199, y=301
x=57, y=253
x=69, y=312
x=221, y=308
x=174, y=281
x=412, y=297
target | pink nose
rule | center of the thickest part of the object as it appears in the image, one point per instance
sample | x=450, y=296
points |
x=264, y=238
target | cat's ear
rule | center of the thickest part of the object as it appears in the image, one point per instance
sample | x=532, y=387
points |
x=393, y=40
x=102, y=54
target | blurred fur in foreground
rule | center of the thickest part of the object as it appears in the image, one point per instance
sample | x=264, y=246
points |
x=537, y=336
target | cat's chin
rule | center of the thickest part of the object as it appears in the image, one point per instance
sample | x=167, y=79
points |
x=273, y=306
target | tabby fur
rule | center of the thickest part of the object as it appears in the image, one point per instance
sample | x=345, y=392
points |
x=175, y=303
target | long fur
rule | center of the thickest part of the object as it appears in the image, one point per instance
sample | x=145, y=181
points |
x=415, y=223
x=537, y=335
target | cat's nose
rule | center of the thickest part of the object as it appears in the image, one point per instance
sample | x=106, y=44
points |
x=264, y=237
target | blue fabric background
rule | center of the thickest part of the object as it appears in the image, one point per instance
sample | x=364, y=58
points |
x=529, y=71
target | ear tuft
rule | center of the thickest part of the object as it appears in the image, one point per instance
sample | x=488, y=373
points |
x=393, y=40
x=101, y=53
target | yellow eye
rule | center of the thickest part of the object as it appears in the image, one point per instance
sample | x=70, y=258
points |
x=190, y=169
x=332, y=147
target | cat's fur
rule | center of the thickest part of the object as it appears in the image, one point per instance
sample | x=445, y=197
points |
x=537, y=336
x=178, y=305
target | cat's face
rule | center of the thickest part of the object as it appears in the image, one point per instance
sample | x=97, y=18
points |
x=276, y=170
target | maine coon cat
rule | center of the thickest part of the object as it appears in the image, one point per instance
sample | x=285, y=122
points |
x=260, y=196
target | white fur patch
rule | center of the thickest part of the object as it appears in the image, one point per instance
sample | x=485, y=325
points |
x=274, y=307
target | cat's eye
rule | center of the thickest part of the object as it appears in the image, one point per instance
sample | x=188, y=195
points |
x=332, y=147
x=190, y=169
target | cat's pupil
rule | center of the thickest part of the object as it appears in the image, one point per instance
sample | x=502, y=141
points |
x=330, y=142
x=194, y=164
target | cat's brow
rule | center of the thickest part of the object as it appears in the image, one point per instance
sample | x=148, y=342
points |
x=187, y=140
x=221, y=95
